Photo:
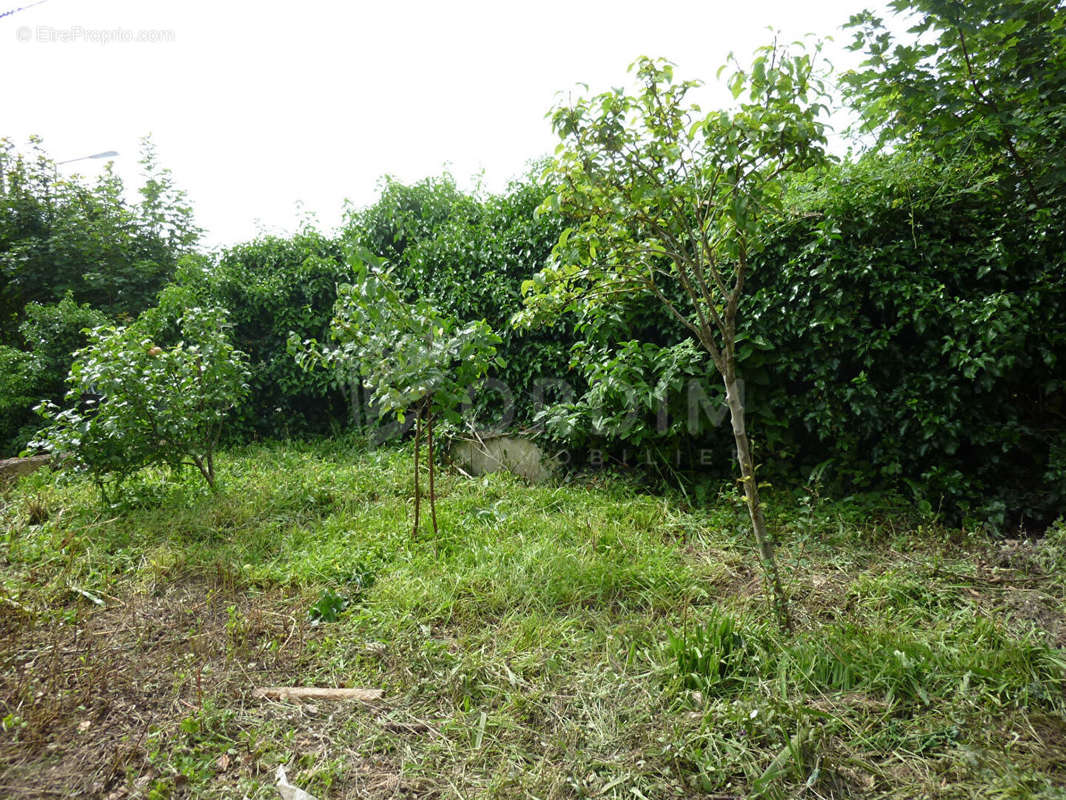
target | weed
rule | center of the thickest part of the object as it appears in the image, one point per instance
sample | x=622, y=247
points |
x=715, y=657
x=328, y=607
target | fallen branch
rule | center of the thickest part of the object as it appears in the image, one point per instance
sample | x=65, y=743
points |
x=316, y=693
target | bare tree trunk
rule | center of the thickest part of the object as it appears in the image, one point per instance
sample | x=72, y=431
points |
x=207, y=469
x=751, y=493
x=418, y=493
x=432, y=491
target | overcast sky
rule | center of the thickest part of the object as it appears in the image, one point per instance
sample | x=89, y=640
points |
x=260, y=108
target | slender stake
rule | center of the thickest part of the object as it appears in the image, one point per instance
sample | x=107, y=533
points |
x=432, y=492
x=418, y=493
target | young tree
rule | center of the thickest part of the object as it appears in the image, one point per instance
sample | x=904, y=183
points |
x=133, y=403
x=671, y=201
x=415, y=360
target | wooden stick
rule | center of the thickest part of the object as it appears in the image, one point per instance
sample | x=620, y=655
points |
x=418, y=493
x=316, y=693
x=432, y=489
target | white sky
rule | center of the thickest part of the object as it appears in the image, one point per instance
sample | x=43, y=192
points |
x=257, y=107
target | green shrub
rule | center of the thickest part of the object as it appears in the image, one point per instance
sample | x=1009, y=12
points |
x=51, y=334
x=901, y=331
x=654, y=401
x=468, y=255
x=64, y=235
x=133, y=403
x=269, y=287
x=19, y=373
x=921, y=343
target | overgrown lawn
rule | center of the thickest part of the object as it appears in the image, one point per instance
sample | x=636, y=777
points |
x=575, y=640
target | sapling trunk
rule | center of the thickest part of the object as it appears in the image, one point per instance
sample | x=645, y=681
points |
x=210, y=474
x=751, y=494
x=432, y=490
x=207, y=469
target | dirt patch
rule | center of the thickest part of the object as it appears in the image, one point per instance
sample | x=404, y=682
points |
x=1036, y=608
x=82, y=688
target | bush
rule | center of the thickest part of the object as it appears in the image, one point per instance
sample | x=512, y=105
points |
x=133, y=403
x=51, y=333
x=901, y=330
x=62, y=235
x=654, y=403
x=468, y=256
x=464, y=253
x=272, y=286
x=916, y=334
x=19, y=373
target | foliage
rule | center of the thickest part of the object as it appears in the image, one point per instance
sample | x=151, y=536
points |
x=983, y=81
x=915, y=306
x=717, y=654
x=413, y=359
x=54, y=332
x=164, y=212
x=60, y=236
x=329, y=607
x=922, y=342
x=71, y=255
x=409, y=354
x=273, y=286
x=924, y=289
x=664, y=195
x=981, y=88
x=19, y=373
x=468, y=254
x=51, y=334
x=133, y=403
x=405, y=215
x=668, y=201
x=640, y=395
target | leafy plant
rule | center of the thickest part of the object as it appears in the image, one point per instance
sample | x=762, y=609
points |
x=467, y=254
x=640, y=394
x=60, y=235
x=670, y=201
x=415, y=360
x=270, y=287
x=915, y=305
x=328, y=607
x=51, y=333
x=984, y=81
x=133, y=403
x=19, y=382
x=718, y=655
